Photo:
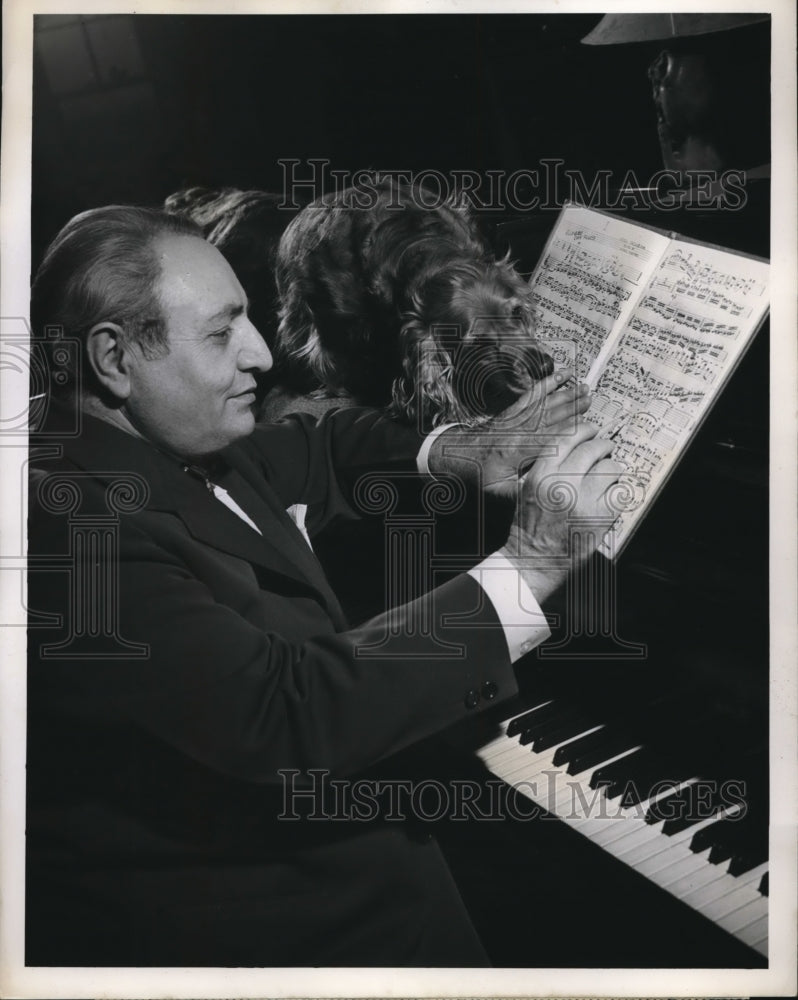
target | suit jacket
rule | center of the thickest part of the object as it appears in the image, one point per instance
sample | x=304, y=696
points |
x=181, y=665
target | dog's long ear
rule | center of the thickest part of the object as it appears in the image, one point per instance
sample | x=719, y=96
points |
x=298, y=353
x=423, y=394
x=312, y=356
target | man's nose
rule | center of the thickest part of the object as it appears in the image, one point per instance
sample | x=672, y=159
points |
x=254, y=354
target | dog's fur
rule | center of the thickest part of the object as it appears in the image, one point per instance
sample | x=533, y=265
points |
x=399, y=305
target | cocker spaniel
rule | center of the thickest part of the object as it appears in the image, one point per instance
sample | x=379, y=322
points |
x=393, y=303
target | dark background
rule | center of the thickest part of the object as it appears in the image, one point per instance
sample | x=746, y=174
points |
x=130, y=108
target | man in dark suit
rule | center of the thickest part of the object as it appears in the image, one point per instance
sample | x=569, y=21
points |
x=186, y=652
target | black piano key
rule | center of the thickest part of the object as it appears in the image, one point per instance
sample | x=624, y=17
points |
x=744, y=843
x=636, y=777
x=652, y=775
x=742, y=863
x=586, y=752
x=559, y=734
x=710, y=836
x=571, y=723
x=675, y=807
x=575, y=747
x=763, y=885
x=686, y=807
x=614, y=777
x=520, y=723
x=549, y=717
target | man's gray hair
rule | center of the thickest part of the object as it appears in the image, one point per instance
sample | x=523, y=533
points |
x=102, y=267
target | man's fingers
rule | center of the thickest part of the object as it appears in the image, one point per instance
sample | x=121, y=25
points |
x=528, y=412
x=565, y=443
x=541, y=392
x=586, y=455
x=547, y=385
x=608, y=467
x=564, y=404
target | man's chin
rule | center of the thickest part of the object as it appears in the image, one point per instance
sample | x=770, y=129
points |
x=244, y=424
x=233, y=430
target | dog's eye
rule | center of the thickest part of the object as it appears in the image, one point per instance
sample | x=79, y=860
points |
x=517, y=313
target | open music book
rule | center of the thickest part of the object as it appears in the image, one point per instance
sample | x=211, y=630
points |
x=656, y=324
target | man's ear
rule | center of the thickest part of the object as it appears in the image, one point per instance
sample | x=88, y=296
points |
x=109, y=355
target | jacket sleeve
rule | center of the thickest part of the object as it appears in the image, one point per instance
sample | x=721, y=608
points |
x=247, y=701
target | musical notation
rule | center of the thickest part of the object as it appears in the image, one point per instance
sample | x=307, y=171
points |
x=602, y=234
x=588, y=276
x=675, y=349
x=563, y=321
x=695, y=271
x=657, y=324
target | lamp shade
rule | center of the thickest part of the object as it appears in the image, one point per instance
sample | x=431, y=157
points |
x=615, y=29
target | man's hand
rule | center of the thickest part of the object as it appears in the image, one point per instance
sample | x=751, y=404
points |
x=501, y=449
x=564, y=509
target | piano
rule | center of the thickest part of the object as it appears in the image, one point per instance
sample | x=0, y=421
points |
x=696, y=838
x=648, y=745
x=641, y=753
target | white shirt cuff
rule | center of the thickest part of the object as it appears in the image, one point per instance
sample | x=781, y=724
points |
x=523, y=622
x=422, y=459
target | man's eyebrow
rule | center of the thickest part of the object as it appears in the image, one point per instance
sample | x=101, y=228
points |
x=226, y=314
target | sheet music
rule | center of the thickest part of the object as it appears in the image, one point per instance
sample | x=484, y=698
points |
x=587, y=281
x=657, y=326
x=681, y=341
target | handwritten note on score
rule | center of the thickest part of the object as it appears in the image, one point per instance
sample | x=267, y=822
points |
x=656, y=324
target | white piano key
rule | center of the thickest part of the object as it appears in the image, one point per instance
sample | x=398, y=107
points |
x=727, y=904
x=502, y=746
x=668, y=866
x=514, y=749
x=639, y=832
x=672, y=841
x=582, y=807
x=714, y=892
x=685, y=863
x=674, y=849
x=527, y=766
x=664, y=860
x=691, y=874
x=570, y=805
x=756, y=933
x=743, y=915
x=640, y=840
x=648, y=848
x=590, y=796
x=490, y=752
x=625, y=825
x=711, y=894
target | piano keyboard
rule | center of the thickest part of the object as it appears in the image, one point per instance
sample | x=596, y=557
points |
x=712, y=858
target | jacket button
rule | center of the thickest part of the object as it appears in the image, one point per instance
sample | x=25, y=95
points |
x=489, y=690
x=471, y=699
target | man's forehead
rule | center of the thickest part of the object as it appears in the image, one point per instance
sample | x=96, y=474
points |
x=195, y=276
x=188, y=260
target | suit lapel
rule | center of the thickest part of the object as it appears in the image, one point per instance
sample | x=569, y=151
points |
x=106, y=452
x=248, y=486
